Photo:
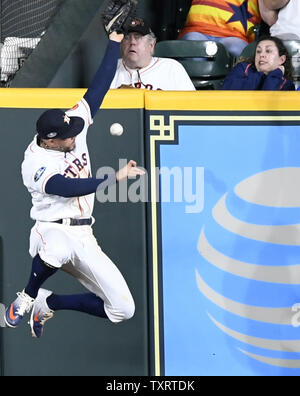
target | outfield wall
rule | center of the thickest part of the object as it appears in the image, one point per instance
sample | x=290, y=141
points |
x=74, y=343
x=212, y=259
x=224, y=250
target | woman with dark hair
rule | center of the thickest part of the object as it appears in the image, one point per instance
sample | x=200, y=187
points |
x=270, y=69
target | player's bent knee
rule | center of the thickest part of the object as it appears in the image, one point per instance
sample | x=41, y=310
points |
x=129, y=312
x=119, y=314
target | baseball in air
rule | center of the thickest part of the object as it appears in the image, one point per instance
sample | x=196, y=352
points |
x=116, y=129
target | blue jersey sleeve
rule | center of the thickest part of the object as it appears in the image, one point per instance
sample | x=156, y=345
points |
x=275, y=81
x=69, y=188
x=103, y=77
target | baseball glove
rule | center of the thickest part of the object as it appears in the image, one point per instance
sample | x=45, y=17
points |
x=118, y=14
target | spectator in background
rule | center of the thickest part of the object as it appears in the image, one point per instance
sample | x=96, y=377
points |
x=139, y=69
x=285, y=22
x=270, y=69
x=230, y=23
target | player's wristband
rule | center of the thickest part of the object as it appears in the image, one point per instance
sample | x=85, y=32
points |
x=69, y=188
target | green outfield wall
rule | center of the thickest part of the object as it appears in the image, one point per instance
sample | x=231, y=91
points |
x=74, y=344
x=215, y=274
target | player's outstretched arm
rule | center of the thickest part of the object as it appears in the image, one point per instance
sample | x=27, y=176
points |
x=105, y=74
x=116, y=17
x=129, y=171
x=68, y=188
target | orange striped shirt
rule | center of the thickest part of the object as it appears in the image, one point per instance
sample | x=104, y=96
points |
x=220, y=18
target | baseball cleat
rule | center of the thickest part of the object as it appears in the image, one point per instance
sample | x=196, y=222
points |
x=17, y=309
x=40, y=313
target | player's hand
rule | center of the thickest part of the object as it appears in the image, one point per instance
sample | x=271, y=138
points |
x=118, y=37
x=130, y=171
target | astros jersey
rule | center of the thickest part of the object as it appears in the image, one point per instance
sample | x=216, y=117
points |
x=220, y=18
x=40, y=165
x=161, y=74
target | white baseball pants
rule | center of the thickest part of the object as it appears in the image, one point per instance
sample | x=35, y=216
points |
x=75, y=250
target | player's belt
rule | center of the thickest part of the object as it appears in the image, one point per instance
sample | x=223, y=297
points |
x=74, y=222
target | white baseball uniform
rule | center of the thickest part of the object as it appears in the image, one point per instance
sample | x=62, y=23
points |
x=72, y=248
x=161, y=74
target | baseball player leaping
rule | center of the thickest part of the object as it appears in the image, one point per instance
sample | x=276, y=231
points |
x=57, y=172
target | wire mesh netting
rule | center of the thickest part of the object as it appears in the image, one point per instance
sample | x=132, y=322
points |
x=22, y=24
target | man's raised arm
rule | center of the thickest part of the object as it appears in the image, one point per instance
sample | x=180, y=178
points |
x=267, y=14
x=275, y=4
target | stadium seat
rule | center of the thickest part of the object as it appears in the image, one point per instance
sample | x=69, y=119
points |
x=248, y=51
x=293, y=46
x=206, y=62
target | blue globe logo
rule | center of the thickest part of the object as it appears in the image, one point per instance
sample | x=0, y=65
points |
x=249, y=269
